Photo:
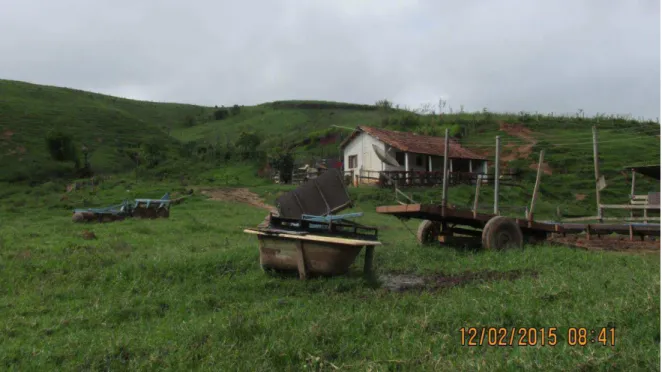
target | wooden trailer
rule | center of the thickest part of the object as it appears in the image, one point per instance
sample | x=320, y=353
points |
x=444, y=223
x=498, y=232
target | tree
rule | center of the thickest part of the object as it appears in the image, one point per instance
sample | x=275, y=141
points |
x=282, y=161
x=235, y=110
x=189, y=121
x=247, y=143
x=384, y=104
x=61, y=146
x=221, y=113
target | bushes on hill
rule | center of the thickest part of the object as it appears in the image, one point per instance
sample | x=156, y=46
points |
x=282, y=161
x=247, y=144
x=221, y=114
x=60, y=146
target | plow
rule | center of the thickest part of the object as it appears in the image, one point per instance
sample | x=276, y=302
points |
x=138, y=208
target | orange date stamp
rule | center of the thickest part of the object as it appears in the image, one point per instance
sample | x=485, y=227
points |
x=546, y=336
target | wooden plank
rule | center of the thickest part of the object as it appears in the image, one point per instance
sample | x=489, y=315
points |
x=444, y=189
x=536, y=187
x=318, y=238
x=367, y=262
x=628, y=206
x=496, y=175
x=301, y=261
x=596, y=166
x=477, y=194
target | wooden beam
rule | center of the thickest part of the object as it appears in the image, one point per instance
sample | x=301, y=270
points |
x=596, y=166
x=536, y=187
x=629, y=206
x=444, y=189
x=496, y=175
x=632, y=191
x=475, y=208
x=367, y=261
x=301, y=261
x=316, y=238
x=589, y=218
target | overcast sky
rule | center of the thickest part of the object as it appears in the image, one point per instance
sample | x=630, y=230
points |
x=505, y=55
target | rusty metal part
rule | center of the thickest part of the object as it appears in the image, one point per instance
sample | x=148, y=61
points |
x=321, y=196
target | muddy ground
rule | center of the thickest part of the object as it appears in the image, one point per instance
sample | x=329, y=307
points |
x=406, y=282
x=620, y=243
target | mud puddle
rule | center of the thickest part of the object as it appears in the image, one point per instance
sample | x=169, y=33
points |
x=406, y=282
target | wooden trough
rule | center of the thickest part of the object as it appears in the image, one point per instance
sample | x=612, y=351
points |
x=307, y=238
x=311, y=254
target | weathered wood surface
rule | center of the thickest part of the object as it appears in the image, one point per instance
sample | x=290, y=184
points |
x=478, y=220
x=317, y=238
x=311, y=254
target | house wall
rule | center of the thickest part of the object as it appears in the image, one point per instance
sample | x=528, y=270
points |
x=412, y=162
x=361, y=146
x=368, y=163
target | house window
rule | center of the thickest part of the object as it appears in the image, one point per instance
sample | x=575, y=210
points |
x=352, y=161
x=419, y=160
x=400, y=157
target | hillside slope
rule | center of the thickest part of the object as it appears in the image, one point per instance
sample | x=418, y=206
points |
x=107, y=125
x=103, y=123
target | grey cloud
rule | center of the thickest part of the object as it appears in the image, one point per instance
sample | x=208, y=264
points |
x=507, y=55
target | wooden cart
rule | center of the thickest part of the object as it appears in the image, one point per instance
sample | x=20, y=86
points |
x=497, y=232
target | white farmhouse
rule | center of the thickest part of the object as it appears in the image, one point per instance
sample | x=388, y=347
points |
x=411, y=151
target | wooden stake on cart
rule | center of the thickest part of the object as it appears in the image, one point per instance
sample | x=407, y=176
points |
x=496, y=175
x=536, y=187
x=632, y=192
x=444, y=189
x=478, y=182
x=596, y=166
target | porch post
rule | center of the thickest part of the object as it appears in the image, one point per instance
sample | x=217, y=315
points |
x=470, y=168
x=406, y=167
x=429, y=163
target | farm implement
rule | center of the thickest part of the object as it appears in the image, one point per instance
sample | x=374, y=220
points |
x=306, y=236
x=138, y=208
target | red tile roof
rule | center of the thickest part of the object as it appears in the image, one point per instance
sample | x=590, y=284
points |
x=411, y=142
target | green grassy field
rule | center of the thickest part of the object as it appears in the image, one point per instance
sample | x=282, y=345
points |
x=187, y=293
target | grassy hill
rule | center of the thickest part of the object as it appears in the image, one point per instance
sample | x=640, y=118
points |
x=103, y=123
x=109, y=126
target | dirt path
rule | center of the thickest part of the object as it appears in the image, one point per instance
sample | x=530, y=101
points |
x=241, y=195
x=524, y=151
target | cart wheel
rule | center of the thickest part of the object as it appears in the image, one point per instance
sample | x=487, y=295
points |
x=502, y=232
x=428, y=232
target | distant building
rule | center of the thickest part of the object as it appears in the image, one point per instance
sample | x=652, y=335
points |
x=412, y=152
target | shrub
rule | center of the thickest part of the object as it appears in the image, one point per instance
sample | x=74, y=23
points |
x=221, y=114
x=61, y=146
